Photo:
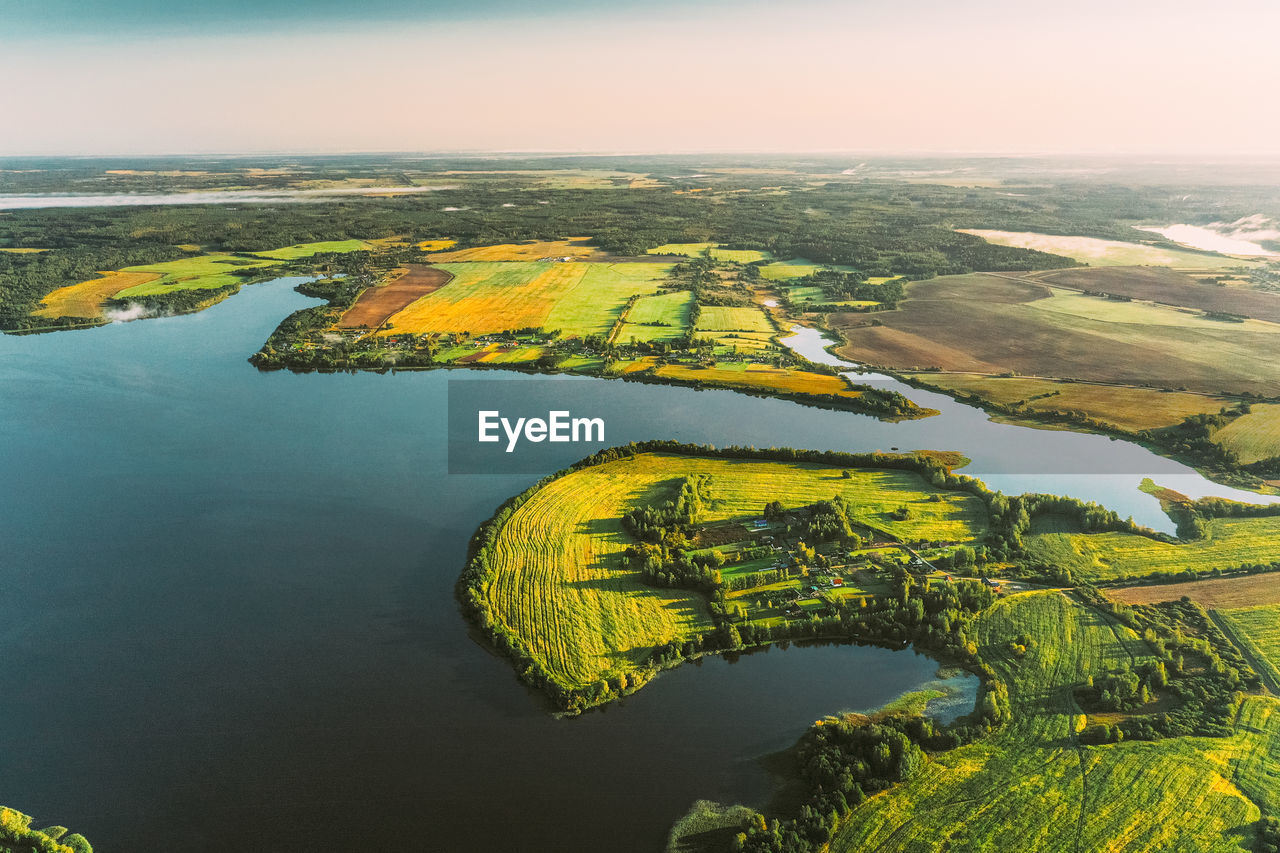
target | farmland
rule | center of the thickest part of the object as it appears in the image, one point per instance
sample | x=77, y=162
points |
x=557, y=582
x=86, y=298
x=718, y=318
x=307, y=250
x=1214, y=593
x=995, y=324
x=203, y=272
x=495, y=296
x=762, y=379
x=1253, y=436
x=664, y=317
x=1125, y=407
x=1228, y=544
x=375, y=305
x=597, y=302
x=535, y=250
x=1095, y=252
x=713, y=250
x=1033, y=786
x=1169, y=287
x=1258, y=628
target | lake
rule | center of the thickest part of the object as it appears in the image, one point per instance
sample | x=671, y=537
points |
x=229, y=622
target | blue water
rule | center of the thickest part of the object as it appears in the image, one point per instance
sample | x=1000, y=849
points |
x=228, y=620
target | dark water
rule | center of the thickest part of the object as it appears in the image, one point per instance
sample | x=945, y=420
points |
x=227, y=620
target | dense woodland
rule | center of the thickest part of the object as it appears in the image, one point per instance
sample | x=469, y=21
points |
x=879, y=226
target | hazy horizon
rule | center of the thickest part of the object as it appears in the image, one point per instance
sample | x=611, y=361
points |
x=914, y=78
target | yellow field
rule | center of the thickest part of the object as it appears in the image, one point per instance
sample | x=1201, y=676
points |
x=1229, y=543
x=1253, y=436
x=558, y=584
x=733, y=318
x=436, y=245
x=1127, y=408
x=761, y=378
x=1033, y=787
x=574, y=247
x=693, y=250
x=486, y=297
x=85, y=299
x=22, y=251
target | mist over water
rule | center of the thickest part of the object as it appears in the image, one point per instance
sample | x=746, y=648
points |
x=1236, y=238
x=17, y=201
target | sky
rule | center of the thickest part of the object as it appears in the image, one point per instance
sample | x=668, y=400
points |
x=873, y=76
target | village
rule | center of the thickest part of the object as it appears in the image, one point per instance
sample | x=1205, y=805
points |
x=771, y=573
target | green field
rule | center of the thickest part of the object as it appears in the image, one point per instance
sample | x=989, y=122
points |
x=1141, y=313
x=306, y=250
x=1031, y=786
x=671, y=310
x=1230, y=543
x=794, y=268
x=557, y=582
x=1253, y=436
x=725, y=318
x=597, y=302
x=693, y=250
x=1259, y=627
x=199, y=273
x=802, y=293
x=578, y=298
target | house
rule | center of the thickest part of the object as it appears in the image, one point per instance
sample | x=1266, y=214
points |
x=837, y=581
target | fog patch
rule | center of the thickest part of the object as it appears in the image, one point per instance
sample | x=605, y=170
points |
x=1242, y=237
x=132, y=311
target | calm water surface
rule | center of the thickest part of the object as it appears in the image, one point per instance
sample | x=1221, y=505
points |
x=228, y=621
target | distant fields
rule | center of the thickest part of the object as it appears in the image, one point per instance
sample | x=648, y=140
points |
x=574, y=247
x=794, y=268
x=436, y=245
x=693, y=250
x=1031, y=786
x=983, y=323
x=1253, y=436
x=306, y=250
x=1097, y=252
x=1230, y=543
x=1130, y=409
x=1171, y=288
x=558, y=583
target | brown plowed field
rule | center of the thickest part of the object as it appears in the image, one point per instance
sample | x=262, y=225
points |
x=1217, y=593
x=1170, y=288
x=376, y=304
x=990, y=324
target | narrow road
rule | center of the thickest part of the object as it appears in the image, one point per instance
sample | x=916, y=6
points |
x=1264, y=672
